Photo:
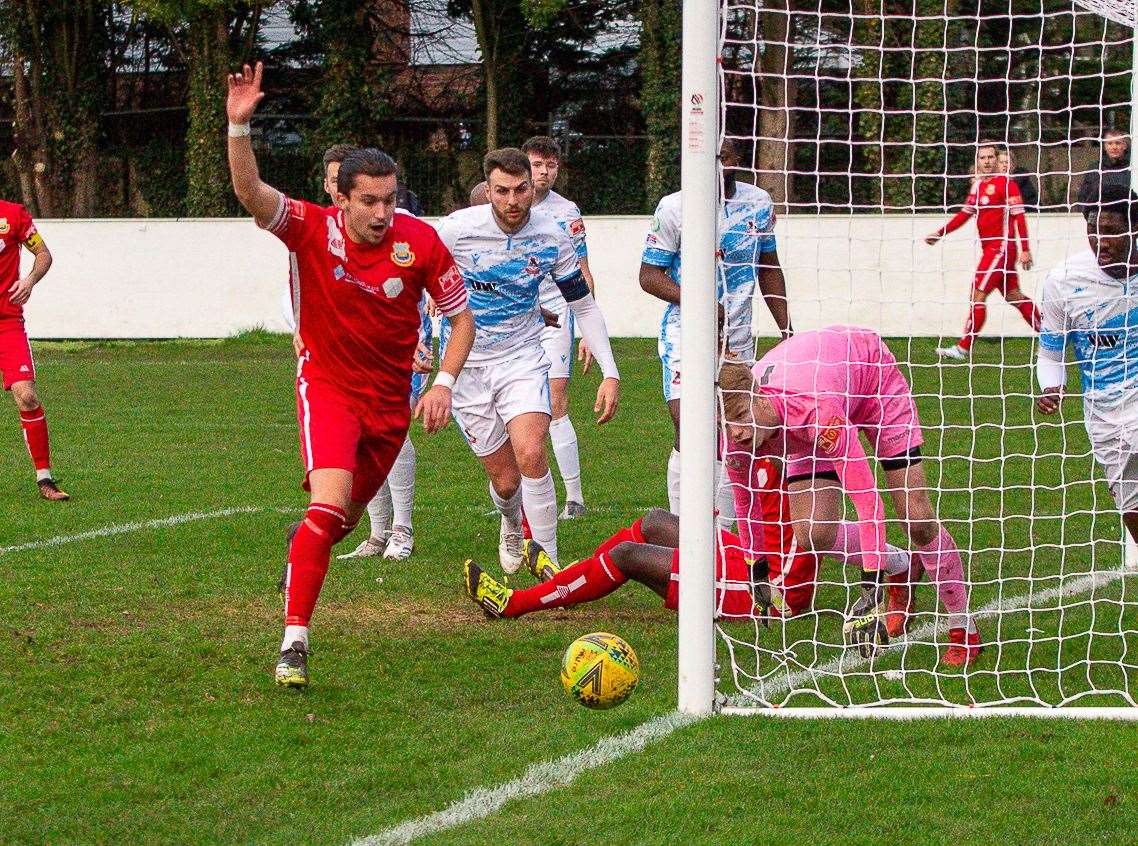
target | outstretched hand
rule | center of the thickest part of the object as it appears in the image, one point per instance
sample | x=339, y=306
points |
x=244, y=94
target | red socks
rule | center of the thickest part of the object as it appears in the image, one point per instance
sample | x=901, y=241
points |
x=975, y=323
x=34, y=424
x=582, y=581
x=308, y=558
x=1030, y=313
x=632, y=534
x=979, y=314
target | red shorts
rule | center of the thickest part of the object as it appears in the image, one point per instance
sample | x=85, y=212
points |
x=733, y=599
x=337, y=432
x=16, y=364
x=792, y=585
x=997, y=269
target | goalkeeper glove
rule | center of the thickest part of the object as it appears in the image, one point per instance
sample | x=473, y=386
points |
x=865, y=626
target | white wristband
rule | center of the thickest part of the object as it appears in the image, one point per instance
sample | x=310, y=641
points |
x=444, y=379
x=239, y=130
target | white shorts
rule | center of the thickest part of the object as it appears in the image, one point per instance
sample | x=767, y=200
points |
x=668, y=347
x=486, y=397
x=1114, y=440
x=558, y=343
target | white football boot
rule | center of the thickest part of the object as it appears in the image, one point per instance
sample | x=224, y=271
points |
x=954, y=352
x=510, y=548
x=400, y=545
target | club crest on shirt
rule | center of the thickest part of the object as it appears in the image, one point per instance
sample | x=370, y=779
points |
x=5, y=226
x=401, y=254
x=393, y=287
x=829, y=436
x=991, y=189
x=533, y=268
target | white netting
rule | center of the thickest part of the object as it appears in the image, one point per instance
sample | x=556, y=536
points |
x=861, y=119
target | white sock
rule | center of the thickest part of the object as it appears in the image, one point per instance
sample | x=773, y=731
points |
x=896, y=560
x=379, y=512
x=539, y=497
x=401, y=480
x=293, y=634
x=724, y=499
x=46, y=473
x=674, y=482
x=510, y=509
x=564, y=438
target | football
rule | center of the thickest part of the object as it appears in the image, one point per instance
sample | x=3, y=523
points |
x=600, y=670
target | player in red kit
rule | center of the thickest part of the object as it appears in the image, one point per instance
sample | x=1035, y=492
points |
x=362, y=271
x=16, y=365
x=997, y=205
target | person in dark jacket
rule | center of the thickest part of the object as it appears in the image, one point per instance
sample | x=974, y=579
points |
x=1113, y=167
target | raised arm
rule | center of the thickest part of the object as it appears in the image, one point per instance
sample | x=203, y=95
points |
x=258, y=198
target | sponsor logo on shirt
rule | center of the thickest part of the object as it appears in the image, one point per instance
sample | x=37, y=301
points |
x=984, y=200
x=401, y=254
x=336, y=240
x=5, y=226
x=829, y=436
x=577, y=227
x=393, y=287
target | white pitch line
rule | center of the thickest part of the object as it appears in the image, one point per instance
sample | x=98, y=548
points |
x=127, y=528
x=543, y=777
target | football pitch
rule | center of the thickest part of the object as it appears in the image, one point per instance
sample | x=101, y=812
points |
x=141, y=623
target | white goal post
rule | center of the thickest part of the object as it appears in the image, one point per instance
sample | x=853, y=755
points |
x=874, y=113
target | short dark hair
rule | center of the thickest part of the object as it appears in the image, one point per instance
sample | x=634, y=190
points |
x=1115, y=133
x=1112, y=196
x=998, y=146
x=337, y=153
x=511, y=160
x=544, y=146
x=363, y=161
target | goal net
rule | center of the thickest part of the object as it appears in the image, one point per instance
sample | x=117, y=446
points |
x=862, y=120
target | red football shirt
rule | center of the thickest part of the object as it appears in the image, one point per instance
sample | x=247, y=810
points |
x=16, y=227
x=995, y=201
x=359, y=303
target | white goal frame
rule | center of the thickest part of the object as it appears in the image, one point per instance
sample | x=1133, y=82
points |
x=701, y=131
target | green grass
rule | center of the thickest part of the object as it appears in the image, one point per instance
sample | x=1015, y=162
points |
x=136, y=703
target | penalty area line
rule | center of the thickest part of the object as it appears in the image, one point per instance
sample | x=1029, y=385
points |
x=544, y=777
x=127, y=528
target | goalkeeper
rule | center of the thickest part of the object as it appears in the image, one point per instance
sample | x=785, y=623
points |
x=809, y=399
x=1090, y=302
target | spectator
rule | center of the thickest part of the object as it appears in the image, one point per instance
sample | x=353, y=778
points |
x=1113, y=166
x=405, y=199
